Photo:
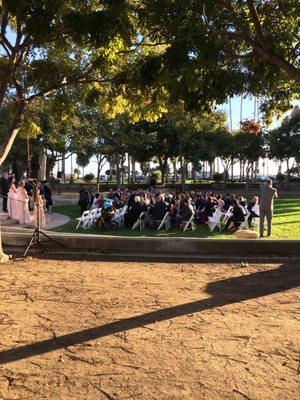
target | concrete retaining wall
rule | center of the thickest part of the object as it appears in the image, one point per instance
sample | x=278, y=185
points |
x=181, y=247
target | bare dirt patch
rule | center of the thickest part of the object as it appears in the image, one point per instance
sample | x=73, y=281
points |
x=112, y=330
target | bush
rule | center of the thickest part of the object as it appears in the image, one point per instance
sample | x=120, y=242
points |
x=156, y=175
x=218, y=177
x=71, y=178
x=88, y=178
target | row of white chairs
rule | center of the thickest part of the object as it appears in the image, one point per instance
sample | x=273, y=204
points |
x=88, y=217
x=219, y=217
x=164, y=223
x=86, y=221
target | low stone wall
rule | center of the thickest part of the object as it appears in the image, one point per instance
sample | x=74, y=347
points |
x=174, y=247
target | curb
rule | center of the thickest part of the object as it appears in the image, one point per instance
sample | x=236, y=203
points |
x=166, y=247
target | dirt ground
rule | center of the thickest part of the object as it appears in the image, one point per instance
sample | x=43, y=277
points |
x=116, y=330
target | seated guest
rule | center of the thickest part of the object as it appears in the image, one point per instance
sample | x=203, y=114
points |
x=159, y=209
x=221, y=202
x=251, y=208
x=200, y=202
x=211, y=204
x=100, y=200
x=243, y=202
x=237, y=216
x=227, y=202
x=208, y=210
x=134, y=212
x=185, y=213
x=170, y=200
x=108, y=211
x=95, y=201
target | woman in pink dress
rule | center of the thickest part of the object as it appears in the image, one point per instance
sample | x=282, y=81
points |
x=23, y=210
x=12, y=205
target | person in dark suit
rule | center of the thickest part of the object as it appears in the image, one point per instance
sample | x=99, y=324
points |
x=134, y=212
x=4, y=190
x=48, y=197
x=159, y=209
x=237, y=216
x=267, y=194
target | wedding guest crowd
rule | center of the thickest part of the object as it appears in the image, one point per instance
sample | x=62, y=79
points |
x=182, y=206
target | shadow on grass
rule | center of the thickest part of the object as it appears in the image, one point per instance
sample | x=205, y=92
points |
x=223, y=292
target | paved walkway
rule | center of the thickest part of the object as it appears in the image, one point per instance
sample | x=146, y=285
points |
x=52, y=221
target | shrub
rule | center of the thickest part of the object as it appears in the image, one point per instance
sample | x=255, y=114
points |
x=156, y=175
x=89, y=178
x=71, y=178
x=218, y=177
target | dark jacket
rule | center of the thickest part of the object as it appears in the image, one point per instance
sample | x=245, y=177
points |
x=134, y=212
x=187, y=212
x=4, y=186
x=238, y=212
x=47, y=193
x=159, y=210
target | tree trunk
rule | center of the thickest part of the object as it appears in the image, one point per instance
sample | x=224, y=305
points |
x=118, y=171
x=194, y=174
x=175, y=170
x=288, y=167
x=28, y=171
x=133, y=169
x=4, y=150
x=98, y=173
x=11, y=133
x=63, y=167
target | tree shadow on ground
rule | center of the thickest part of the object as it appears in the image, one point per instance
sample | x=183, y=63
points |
x=223, y=292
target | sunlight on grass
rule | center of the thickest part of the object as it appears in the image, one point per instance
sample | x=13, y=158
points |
x=286, y=224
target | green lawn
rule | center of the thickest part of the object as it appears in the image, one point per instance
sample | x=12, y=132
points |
x=286, y=224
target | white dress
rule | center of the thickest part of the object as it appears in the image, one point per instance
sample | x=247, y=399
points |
x=39, y=214
x=12, y=202
x=23, y=212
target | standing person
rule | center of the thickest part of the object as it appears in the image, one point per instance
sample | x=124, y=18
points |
x=48, y=196
x=84, y=199
x=23, y=210
x=4, y=190
x=267, y=195
x=12, y=198
x=38, y=212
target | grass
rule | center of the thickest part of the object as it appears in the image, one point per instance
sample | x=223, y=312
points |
x=286, y=224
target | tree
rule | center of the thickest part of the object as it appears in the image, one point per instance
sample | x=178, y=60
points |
x=248, y=148
x=284, y=141
x=216, y=48
x=52, y=46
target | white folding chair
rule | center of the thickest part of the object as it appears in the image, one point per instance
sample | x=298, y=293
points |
x=166, y=222
x=94, y=214
x=119, y=216
x=188, y=223
x=139, y=222
x=245, y=224
x=83, y=218
x=227, y=215
x=215, y=220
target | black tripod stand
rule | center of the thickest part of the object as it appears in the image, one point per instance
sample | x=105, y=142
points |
x=35, y=239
